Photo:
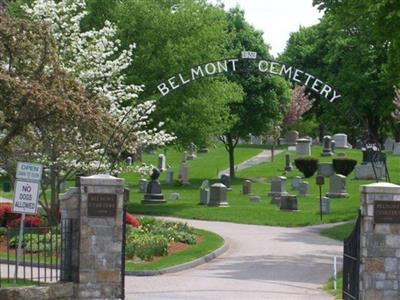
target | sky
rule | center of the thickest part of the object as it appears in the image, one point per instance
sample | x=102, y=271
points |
x=276, y=18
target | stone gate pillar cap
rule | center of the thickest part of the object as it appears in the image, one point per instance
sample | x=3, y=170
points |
x=380, y=187
x=101, y=179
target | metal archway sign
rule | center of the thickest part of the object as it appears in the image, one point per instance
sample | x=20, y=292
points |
x=264, y=66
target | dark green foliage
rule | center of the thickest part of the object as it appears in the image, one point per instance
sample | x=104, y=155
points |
x=306, y=165
x=344, y=165
x=153, y=237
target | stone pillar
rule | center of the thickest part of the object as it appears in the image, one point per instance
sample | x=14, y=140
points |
x=101, y=228
x=380, y=242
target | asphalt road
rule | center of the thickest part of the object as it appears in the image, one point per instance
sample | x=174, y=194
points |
x=262, y=263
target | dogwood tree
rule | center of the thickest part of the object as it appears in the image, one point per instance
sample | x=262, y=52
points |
x=298, y=106
x=96, y=59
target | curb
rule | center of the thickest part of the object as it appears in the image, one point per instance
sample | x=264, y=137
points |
x=184, y=266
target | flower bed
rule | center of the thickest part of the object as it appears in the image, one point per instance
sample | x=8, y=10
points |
x=156, y=238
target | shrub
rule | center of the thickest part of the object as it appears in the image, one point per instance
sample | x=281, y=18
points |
x=344, y=165
x=6, y=214
x=146, y=245
x=307, y=165
x=132, y=220
x=30, y=221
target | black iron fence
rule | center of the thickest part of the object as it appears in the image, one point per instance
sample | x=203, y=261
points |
x=351, y=263
x=43, y=257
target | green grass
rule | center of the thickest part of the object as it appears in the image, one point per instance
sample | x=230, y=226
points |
x=339, y=286
x=210, y=242
x=10, y=283
x=339, y=232
x=241, y=210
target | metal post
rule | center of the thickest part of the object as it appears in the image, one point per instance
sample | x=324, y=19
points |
x=320, y=202
x=334, y=273
x=21, y=236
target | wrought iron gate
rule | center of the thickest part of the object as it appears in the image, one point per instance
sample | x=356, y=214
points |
x=126, y=200
x=351, y=263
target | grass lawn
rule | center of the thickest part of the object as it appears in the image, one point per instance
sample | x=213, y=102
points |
x=10, y=283
x=339, y=232
x=339, y=286
x=210, y=242
x=241, y=210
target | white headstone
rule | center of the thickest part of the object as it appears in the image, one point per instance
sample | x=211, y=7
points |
x=184, y=173
x=396, y=149
x=169, y=179
x=303, y=147
x=337, y=186
x=389, y=145
x=278, y=186
x=340, y=140
x=162, y=163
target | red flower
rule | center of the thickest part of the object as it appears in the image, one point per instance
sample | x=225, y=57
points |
x=30, y=221
x=131, y=220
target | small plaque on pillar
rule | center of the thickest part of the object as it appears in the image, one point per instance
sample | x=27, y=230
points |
x=387, y=212
x=102, y=205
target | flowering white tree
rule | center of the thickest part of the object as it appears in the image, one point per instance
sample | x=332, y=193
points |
x=96, y=59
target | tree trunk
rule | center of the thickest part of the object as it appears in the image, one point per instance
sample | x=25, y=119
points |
x=321, y=132
x=230, y=146
x=373, y=130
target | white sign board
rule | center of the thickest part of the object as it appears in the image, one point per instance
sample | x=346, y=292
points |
x=28, y=171
x=249, y=54
x=26, y=197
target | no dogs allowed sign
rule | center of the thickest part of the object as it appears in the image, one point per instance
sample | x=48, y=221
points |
x=26, y=191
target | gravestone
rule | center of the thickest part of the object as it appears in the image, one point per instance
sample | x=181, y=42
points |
x=218, y=195
x=389, y=145
x=289, y=202
x=303, y=188
x=246, y=187
x=129, y=160
x=327, y=150
x=278, y=186
x=153, y=191
x=143, y=185
x=226, y=180
x=205, y=192
x=372, y=165
x=169, y=177
x=379, y=270
x=255, y=198
x=276, y=199
x=288, y=163
x=290, y=138
x=325, y=169
x=396, y=149
x=340, y=140
x=337, y=186
x=296, y=182
x=333, y=146
x=341, y=154
x=303, y=147
x=204, y=150
x=174, y=196
x=325, y=205
x=162, y=163
x=191, y=152
x=184, y=173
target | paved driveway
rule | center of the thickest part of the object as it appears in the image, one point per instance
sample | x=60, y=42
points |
x=262, y=263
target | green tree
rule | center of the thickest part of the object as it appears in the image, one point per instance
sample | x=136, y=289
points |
x=172, y=36
x=265, y=97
